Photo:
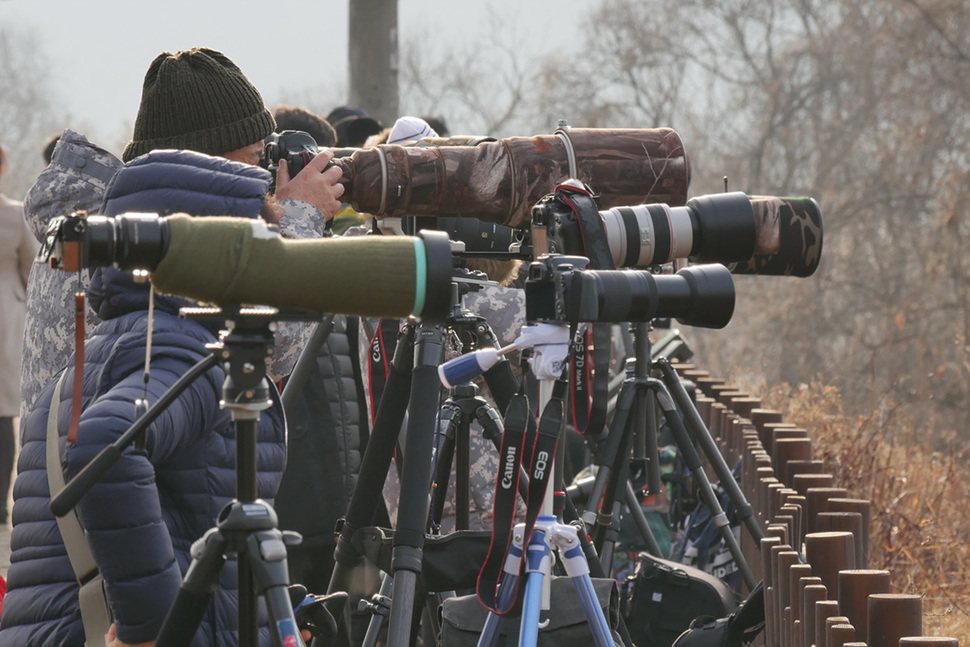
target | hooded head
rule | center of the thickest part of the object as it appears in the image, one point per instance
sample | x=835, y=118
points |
x=76, y=180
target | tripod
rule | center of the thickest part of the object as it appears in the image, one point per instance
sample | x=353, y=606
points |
x=634, y=423
x=548, y=534
x=453, y=430
x=412, y=387
x=247, y=526
x=641, y=393
x=463, y=405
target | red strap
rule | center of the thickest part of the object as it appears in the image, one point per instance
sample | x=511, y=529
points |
x=589, y=377
x=78, y=366
x=382, y=347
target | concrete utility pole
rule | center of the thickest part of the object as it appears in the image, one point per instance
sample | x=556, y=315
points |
x=374, y=58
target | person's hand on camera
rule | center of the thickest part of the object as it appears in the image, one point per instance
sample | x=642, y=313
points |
x=313, y=185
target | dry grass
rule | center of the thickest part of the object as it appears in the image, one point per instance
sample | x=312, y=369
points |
x=919, y=488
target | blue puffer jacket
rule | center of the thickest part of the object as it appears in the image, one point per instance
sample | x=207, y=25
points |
x=145, y=513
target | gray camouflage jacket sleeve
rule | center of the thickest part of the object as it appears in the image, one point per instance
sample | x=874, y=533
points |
x=299, y=220
x=302, y=220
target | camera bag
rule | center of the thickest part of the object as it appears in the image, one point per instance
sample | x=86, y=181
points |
x=463, y=617
x=662, y=598
x=740, y=629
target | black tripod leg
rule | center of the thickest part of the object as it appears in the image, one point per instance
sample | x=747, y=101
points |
x=266, y=554
x=412, y=517
x=702, y=436
x=706, y=490
x=380, y=605
x=195, y=592
x=614, y=448
x=501, y=384
x=377, y=457
x=636, y=512
x=463, y=490
x=368, y=493
x=448, y=423
x=646, y=414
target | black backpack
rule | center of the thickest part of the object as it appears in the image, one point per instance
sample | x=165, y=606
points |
x=736, y=630
x=662, y=598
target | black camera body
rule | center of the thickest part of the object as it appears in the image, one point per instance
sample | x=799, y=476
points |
x=298, y=148
x=547, y=289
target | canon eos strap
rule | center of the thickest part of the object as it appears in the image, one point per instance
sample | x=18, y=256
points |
x=522, y=436
x=589, y=374
x=517, y=417
x=596, y=246
x=380, y=354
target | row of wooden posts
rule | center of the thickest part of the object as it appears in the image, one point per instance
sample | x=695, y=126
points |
x=814, y=556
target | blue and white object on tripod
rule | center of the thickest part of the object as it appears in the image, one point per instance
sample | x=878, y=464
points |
x=547, y=535
x=550, y=346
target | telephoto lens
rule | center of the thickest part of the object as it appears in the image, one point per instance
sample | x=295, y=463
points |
x=789, y=237
x=499, y=181
x=561, y=289
x=230, y=261
x=699, y=295
x=718, y=228
x=750, y=234
x=482, y=238
x=128, y=242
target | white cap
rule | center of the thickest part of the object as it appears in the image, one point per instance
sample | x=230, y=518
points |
x=409, y=129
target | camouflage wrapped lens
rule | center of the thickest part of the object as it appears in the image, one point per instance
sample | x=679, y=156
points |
x=499, y=181
x=789, y=237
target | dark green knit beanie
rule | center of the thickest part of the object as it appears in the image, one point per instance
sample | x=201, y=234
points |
x=198, y=100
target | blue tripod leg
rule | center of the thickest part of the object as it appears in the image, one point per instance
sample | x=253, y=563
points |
x=574, y=561
x=538, y=567
x=506, y=590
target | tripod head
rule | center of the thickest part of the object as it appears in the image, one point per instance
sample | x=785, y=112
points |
x=243, y=348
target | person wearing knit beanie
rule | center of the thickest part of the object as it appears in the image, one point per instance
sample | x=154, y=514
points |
x=198, y=100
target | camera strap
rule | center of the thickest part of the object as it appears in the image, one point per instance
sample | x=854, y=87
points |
x=596, y=246
x=532, y=447
x=379, y=355
x=589, y=376
x=517, y=417
x=78, y=365
x=589, y=373
x=92, y=599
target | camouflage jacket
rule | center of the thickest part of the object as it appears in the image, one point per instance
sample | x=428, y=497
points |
x=75, y=181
